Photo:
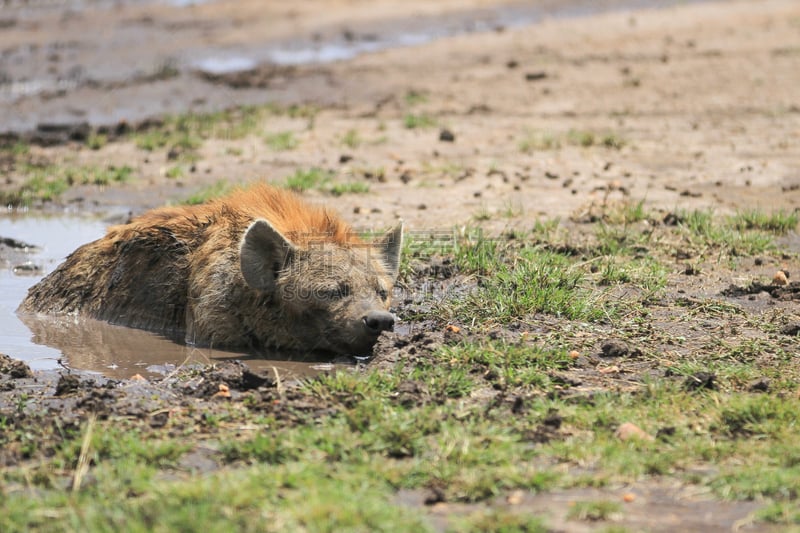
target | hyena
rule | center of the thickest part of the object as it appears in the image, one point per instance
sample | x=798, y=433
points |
x=259, y=268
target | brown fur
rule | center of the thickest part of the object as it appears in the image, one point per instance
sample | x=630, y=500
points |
x=300, y=280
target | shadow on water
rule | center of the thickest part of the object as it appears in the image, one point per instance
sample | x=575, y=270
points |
x=47, y=342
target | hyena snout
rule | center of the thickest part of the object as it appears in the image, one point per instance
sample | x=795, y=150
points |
x=377, y=321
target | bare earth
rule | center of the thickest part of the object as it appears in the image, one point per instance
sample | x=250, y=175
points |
x=687, y=107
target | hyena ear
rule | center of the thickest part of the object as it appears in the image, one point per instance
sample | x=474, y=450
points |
x=264, y=251
x=390, y=246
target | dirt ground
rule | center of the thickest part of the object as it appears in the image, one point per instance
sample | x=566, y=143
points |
x=694, y=106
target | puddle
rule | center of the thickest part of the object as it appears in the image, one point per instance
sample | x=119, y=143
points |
x=347, y=43
x=48, y=342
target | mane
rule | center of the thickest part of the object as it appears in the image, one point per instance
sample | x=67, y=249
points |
x=298, y=220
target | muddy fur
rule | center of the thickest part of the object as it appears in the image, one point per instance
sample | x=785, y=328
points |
x=259, y=268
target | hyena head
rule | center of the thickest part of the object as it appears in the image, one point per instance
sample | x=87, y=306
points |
x=331, y=296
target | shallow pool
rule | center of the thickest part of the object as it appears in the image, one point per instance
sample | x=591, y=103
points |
x=46, y=342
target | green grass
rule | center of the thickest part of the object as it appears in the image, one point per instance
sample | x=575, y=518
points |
x=515, y=283
x=418, y=121
x=535, y=140
x=746, y=233
x=413, y=98
x=306, y=179
x=174, y=172
x=343, y=469
x=282, y=141
x=316, y=178
x=48, y=183
x=593, y=511
x=489, y=414
x=778, y=222
x=186, y=133
x=352, y=139
x=96, y=141
x=215, y=190
x=353, y=187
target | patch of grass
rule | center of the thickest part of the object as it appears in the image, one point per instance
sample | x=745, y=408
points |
x=184, y=134
x=96, y=141
x=779, y=222
x=16, y=148
x=306, y=179
x=282, y=141
x=220, y=188
x=48, y=183
x=581, y=138
x=626, y=212
x=784, y=513
x=534, y=141
x=353, y=187
x=748, y=234
x=413, y=98
x=593, y=511
x=174, y=172
x=351, y=139
x=515, y=283
x=418, y=121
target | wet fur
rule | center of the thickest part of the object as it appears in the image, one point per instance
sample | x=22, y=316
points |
x=176, y=271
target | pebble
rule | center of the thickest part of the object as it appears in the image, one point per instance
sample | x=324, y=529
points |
x=628, y=431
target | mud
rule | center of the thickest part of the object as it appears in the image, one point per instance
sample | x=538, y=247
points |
x=58, y=82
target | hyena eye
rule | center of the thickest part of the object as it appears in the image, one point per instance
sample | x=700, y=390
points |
x=337, y=293
x=382, y=294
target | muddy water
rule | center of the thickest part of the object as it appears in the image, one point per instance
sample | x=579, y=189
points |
x=46, y=342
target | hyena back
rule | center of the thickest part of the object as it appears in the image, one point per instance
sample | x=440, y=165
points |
x=259, y=268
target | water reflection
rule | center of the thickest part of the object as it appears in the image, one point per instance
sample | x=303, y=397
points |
x=121, y=352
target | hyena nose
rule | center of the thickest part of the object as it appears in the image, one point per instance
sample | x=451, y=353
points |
x=377, y=321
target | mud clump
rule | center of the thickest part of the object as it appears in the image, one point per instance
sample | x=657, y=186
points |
x=232, y=374
x=67, y=384
x=786, y=293
x=700, y=381
x=393, y=349
x=14, y=369
x=613, y=349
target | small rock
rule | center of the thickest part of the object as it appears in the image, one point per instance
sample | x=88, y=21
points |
x=628, y=497
x=447, y=136
x=345, y=158
x=515, y=498
x=628, y=431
